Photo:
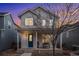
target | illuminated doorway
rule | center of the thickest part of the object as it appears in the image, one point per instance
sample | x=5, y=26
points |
x=30, y=40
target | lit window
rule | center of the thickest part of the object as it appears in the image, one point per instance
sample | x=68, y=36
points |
x=43, y=22
x=45, y=38
x=29, y=21
x=51, y=22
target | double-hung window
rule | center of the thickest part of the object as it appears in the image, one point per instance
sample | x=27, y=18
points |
x=50, y=22
x=28, y=21
x=43, y=22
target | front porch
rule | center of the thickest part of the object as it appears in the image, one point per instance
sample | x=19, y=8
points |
x=35, y=39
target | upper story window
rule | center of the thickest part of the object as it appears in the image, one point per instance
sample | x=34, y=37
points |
x=9, y=24
x=28, y=21
x=50, y=22
x=43, y=22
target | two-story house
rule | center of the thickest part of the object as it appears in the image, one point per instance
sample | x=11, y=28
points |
x=36, y=28
x=7, y=31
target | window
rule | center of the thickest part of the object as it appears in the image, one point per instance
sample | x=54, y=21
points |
x=9, y=24
x=43, y=22
x=45, y=38
x=51, y=22
x=29, y=21
x=67, y=34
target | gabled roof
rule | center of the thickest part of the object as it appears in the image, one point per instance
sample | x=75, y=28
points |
x=17, y=26
x=25, y=11
x=46, y=10
x=69, y=27
x=43, y=8
x=3, y=13
x=6, y=13
x=32, y=11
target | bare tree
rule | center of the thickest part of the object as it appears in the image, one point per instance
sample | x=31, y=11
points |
x=68, y=14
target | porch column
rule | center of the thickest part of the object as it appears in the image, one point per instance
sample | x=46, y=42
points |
x=61, y=35
x=50, y=44
x=35, y=41
x=17, y=40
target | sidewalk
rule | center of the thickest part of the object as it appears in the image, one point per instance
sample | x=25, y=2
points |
x=26, y=54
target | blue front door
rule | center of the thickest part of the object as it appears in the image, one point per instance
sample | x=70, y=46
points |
x=30, y=40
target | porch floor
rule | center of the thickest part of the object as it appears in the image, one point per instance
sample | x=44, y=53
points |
x=41, y=52
x=36, y=52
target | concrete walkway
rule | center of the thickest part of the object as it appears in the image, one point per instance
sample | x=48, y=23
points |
x=26, y=54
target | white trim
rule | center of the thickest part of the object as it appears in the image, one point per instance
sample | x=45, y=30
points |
x=4, y=21
x=50, y=22
x=17, y=40
x=70, y=29
x=43, y=22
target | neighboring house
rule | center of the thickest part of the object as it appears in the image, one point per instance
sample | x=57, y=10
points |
x=69, y=39
x=36, y=28
x=7, y=32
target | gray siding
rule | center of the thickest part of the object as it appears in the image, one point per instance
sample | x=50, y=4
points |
x=1, y=22
x=41, y=14
x=9, y=35
x=27, y=15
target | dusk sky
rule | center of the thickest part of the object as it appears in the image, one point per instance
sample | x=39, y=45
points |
x=16, y=8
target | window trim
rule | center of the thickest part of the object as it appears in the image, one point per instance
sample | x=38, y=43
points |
x=50, y=22
x=43, y=22
x=26, y=22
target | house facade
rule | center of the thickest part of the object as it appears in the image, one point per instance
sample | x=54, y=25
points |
x=36, y=28
x=7, y=31
x=69, y=39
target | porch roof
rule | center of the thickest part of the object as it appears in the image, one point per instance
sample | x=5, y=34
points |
x=40, y=30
